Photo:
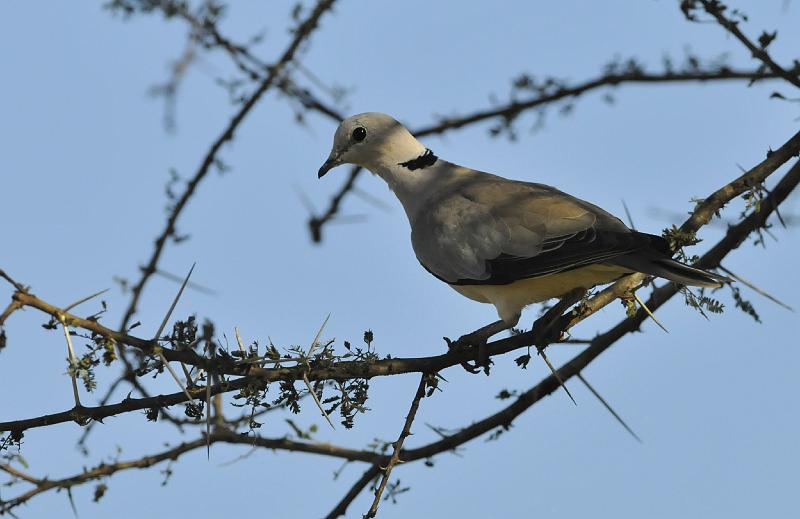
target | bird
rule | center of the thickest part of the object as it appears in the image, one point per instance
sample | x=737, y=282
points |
x=495, y=240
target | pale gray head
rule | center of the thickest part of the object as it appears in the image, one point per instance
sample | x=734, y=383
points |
x=372, y=140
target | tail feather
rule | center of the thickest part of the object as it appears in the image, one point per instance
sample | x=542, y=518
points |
x=672, y=270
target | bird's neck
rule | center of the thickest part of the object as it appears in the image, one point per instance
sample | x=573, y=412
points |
x=410, y=171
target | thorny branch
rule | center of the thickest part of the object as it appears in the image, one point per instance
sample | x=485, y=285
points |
x=274, y=75
x=398, y=446
x=503, y=418
x=351, y=369
x=734, y=237
x=223, y=370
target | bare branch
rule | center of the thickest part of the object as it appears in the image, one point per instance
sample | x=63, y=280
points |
x=608, y=406
x=744, y=282
x=759, y=52
x=107, y=469
x=341, y=507
x=398, y=446
x=734, y=237
x=301, y=34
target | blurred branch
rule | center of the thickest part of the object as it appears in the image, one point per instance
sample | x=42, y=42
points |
x=253, y=66
x=274, y=74
x=301, y=34
x=717, y=9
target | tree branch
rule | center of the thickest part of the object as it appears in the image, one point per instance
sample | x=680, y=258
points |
x=173, y=453
x=341, y=507
x=734, y=237
x=355, y=369
x=398, y=446
x=716, y=9
x=302, y=33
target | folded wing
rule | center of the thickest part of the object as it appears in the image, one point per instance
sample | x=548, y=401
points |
x=489, y=230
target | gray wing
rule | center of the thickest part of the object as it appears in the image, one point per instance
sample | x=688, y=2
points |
x=490, y=230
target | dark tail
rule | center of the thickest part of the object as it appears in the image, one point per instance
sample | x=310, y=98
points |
x=670, y=269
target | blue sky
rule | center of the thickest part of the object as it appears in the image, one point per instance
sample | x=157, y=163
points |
x=85, y=161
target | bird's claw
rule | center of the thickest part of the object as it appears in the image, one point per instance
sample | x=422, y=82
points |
x=482, y=361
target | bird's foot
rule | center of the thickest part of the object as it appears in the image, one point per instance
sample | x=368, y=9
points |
x=472, y=341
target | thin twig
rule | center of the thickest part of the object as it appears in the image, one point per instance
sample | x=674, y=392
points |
x=161, y=329
x=316, y=400
x=73, y=363
x=301, y=34
x=341, y=507
x=756, y=289
x=607, y=406
x=628, y=214
x=174, y=303
x=174, y=376
x=305, y=375
x=83, y=300
x=398, y=445
x=717, y=9
x=648, y=312
x=208, y=415
x=316, y=337
x=18, y=286
x=239, y=339
x=555, y=374
x=191, y=285
x=19, y=474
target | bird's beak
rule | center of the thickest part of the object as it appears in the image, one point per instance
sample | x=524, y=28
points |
x=334, y=160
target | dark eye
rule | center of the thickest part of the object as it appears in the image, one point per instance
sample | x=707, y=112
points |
x=359, y=134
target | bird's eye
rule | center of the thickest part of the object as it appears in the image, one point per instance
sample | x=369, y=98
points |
x=359, y=134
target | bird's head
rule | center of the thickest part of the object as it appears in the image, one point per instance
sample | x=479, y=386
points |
x=372, y=140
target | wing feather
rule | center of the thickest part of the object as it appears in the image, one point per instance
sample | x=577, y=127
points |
x=496, y=231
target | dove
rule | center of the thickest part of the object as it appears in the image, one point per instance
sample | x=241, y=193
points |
x=500, y=241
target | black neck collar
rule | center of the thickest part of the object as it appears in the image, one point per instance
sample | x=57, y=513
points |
x=423, y=161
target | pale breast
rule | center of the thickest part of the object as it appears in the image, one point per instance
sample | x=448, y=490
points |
x=512, y=298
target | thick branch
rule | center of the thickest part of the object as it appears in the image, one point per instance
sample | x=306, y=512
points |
x=107, y=469
x=733, y=238
x=353, y=369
